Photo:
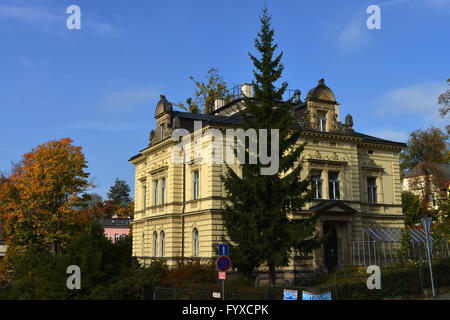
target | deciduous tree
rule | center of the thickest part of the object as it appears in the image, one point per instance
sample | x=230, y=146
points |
x=421, y=162
x=38, y=200
x=206, y=93
x=444, y=100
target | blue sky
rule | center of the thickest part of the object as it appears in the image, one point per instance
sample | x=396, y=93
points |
x=100, y=85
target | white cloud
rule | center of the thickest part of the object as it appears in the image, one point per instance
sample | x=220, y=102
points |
x=428, y=4
x=352, y=35
x=418, y=100
x=30, y=14
x=127, y=99
x=44, y=18
x=388, y=134
x=100, y=126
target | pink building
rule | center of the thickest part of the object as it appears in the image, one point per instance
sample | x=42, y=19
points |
x=115, y=228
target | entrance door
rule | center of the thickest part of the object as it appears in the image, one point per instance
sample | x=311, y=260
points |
x=330, y=248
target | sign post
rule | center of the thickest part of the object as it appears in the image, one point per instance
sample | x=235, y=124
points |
x=223, y=264
x=426, y=222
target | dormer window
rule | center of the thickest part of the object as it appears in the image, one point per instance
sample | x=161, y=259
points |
x=162, y=131
x=322, y=118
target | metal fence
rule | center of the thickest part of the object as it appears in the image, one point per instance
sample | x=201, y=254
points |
x=383, y=247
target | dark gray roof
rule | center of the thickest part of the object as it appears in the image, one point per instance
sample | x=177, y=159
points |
x=236, y=120
x=115, y=222
x=368, y=138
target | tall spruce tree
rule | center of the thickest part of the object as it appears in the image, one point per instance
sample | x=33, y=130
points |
x=259, y=210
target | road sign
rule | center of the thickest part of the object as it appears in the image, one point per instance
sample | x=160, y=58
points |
x=223, y=263
x=426, y=222
x=216, y=295
x=222, y=275
x=223, y=249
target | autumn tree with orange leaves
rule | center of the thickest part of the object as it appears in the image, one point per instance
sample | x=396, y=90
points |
x=38, y=200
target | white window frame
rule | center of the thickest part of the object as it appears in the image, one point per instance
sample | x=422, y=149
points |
x=163, y=190
x=161, y=128
x=155, y=192
x=155, y=244
x=372, y=190
x=317, y=183
x=163, y=243
x=196, y=183
x=322, y=121
x=334, y=192
x=144, y=191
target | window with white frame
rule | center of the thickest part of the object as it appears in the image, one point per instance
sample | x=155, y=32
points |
x=163, y=244
x=155, y=192
x=144, y=196
x=155, y=244
x=316, y=180
x=333, y=185
x=195, y=184
x=322, y=118
x=195, y=242
x=163, y=190
x=116, y=237
x=372, y=189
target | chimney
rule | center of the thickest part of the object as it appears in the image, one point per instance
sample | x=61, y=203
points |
x=219, y=103
x=247, y=90
x=297, y=94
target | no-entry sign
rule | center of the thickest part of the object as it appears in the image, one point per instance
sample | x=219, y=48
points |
x=223, y=263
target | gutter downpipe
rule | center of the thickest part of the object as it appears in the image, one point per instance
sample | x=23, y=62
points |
x=184, y=201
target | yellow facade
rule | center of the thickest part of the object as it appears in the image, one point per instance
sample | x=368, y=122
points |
x=333, y=148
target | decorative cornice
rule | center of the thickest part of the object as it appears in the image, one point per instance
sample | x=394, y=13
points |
x=317, y=157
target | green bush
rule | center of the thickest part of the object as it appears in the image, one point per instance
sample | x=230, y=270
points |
x=395, y=282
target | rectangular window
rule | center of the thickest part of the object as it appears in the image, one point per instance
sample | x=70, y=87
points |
x=155, y=191
x=116, y=237
x=162, y=131
x=316, y=179
x=195, y=181
x=372, y=190
x=163, y=190
x=333, y=185
x=144, y=196
x=322, y=117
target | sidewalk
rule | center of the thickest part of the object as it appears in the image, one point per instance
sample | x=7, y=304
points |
x=444, y=296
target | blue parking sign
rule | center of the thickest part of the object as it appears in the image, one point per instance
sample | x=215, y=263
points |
x=223, y=249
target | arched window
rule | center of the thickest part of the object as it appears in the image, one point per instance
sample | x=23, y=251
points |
x=195, y=242
x=155, y=244
x=163, y=243
x=143, y=244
